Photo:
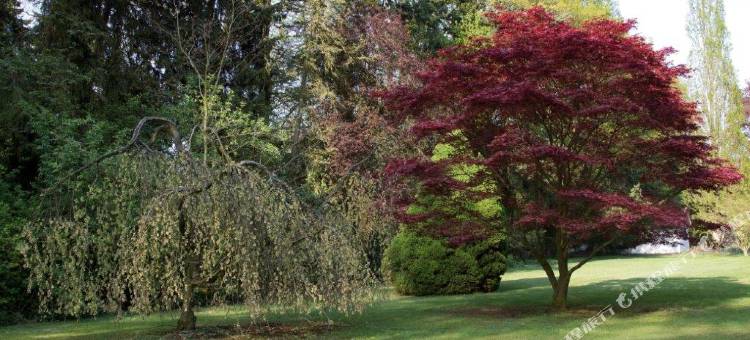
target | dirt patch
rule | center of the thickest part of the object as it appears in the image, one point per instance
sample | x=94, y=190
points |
x=264, y=330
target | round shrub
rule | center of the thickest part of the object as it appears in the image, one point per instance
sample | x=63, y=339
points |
x=419, y=265
x=490, y=262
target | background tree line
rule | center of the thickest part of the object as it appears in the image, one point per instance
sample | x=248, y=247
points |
x=295, y=74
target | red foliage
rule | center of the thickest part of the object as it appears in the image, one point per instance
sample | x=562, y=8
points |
x=566, y=121
x=355, y=130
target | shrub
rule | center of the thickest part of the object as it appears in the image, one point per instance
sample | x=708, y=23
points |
x=419, y=265
x=490, y=262
x=16, y=303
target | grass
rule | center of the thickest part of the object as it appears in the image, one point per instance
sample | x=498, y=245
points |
x=707, y=298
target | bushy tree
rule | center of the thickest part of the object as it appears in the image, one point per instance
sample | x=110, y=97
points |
x=579, y=133
x=421, y=265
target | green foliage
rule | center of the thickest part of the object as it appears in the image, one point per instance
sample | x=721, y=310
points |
x=435, y=24
x=714, y=87
x=459, y=207
x=576, y=11
x=714, y=84
x=491, y=262
x=15, y=302
x=419, y=265
x=473, y=22
x=37, y=126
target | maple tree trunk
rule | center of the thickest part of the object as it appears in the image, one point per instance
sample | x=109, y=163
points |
x=559, y=283
x=560, y=297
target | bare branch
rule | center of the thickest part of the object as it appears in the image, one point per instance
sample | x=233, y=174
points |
x=134, y=140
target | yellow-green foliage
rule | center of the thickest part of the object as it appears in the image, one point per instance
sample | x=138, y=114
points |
x=419, y=265
x=714, y=87
x=488, y=207
x=159, y=224
x=574, y=10
x=475, y=24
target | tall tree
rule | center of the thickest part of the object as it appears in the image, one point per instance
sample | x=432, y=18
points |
x=578, y=131
x=437, y=24
x=714, y=84
x=14, y=158
x=350, y=49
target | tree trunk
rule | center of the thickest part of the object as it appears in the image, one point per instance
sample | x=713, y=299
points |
x=560, y=297
x=745, y=250
x=559, y=283
x=187, y=316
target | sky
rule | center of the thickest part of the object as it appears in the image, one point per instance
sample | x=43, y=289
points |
x=664, y=23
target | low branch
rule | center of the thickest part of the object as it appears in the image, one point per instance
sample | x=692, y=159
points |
x=271, y=174
x=592, y=254
x=326, y=198
x=134, y=140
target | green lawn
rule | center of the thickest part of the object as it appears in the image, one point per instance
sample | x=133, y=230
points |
x=708, y=298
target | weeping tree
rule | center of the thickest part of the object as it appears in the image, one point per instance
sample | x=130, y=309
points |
x=163, y=220
x=192, y=204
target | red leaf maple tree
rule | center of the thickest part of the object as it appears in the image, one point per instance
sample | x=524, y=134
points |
x=578, y=131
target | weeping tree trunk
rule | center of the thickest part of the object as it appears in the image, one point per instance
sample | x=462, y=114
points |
x=187, y=315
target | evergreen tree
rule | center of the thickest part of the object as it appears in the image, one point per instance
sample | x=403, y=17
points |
x=435, y=24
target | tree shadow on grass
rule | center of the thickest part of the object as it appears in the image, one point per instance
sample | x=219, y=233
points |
x=234, y=330
x=520, y=309
x=520, y=284
x=531, y=265
x=527, y=297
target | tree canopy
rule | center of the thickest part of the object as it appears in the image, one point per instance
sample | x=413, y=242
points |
x=579, y=132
